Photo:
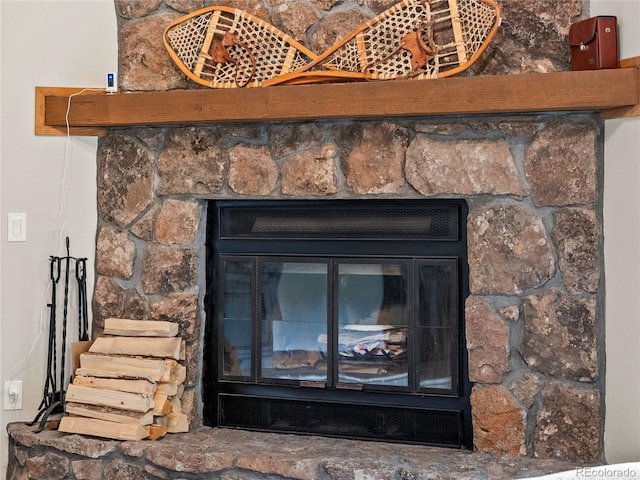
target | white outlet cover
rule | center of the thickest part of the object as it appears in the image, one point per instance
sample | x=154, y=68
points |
x=10, y=385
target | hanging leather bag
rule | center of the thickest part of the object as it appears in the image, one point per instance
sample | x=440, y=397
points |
x=594, y=43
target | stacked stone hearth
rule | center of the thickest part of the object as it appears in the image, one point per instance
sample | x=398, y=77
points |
x=534, y=317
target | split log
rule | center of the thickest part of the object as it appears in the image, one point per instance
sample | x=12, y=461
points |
x=178, y=423
x=153, y=368
x=156, y=431
x=109, y=398
x=176, y=404
x=168, y=389
x=157, y=347
x=143, y=387
x=109, y=414
x=162, y=405
x=139, y=328
x=102, y=428
x=96, y=372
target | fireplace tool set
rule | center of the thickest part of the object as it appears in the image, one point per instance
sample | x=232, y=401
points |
x=54, y=387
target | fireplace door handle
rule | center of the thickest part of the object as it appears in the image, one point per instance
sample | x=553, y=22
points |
x=349, y=386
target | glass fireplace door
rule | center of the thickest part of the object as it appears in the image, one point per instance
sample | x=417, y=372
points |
x=294, y=320
x=372, y=323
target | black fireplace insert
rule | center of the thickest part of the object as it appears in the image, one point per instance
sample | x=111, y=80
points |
x=338, y=318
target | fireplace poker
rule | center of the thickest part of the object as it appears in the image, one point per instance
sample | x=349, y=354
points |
x=54, y=394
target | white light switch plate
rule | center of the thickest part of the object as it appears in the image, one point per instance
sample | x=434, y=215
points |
x=16, y=227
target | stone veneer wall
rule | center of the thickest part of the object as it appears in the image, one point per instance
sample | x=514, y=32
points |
x=534, y=319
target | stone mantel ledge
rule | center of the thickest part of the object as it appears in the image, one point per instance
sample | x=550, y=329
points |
x=241, y=455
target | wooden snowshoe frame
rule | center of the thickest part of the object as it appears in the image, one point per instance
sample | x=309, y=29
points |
x=417, y=39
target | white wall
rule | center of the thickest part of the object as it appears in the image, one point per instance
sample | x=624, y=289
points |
x=72, y=43
x=622, y=257
x=47, y=43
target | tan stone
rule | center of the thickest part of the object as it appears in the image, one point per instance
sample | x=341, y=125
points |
x=525, y=388
x=577, y=236
x=177, y=222
x=498, y=421
x=143, y=65
x=144, y=226
x=311, y=172
x=192, y=161
x=568, y=424
x=252, y=171
x=115, y=253
x=125, y=183
x=375, y=164
x=509, y=251
x=468, y=167
x=487, y=342
x=560, y=335
x=169, y=269
x=559, y=175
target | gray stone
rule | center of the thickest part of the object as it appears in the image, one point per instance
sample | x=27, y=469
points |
x=560, y=336
x=192, y=161
x=112, y=300
x=87, y=469
x=577, y=236
x=169, y=269
x=119, y=469
x=294, y=19
x=487, y=342
x=289, y=138
x=559, y=175
x=568, y=425
x=334, y=27
x=532, y=38
x=49, y=466
x=144, y=66
x=115, y=253
x=311, y=172
x=185, y=6
x=468, y=167
x=509, y=250
x=125, y=184
x=135, y=8
x=252, y=171
x=181, y=308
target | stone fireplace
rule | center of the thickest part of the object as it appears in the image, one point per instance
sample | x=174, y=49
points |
x=533, y=320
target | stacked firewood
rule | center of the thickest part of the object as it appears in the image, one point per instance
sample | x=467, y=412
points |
x=129, y=383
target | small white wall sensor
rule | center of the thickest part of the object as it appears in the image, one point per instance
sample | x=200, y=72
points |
x=112, y=83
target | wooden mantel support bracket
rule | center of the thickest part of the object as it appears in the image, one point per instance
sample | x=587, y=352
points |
x=615, y=93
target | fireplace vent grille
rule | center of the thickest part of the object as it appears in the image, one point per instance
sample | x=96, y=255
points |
x=340, y=221
x=389, y=423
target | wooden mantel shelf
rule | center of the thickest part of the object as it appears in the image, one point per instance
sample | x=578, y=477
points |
x=615, y=93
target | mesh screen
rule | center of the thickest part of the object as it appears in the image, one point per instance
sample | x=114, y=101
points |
x=433, y=427
x=384, y=222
